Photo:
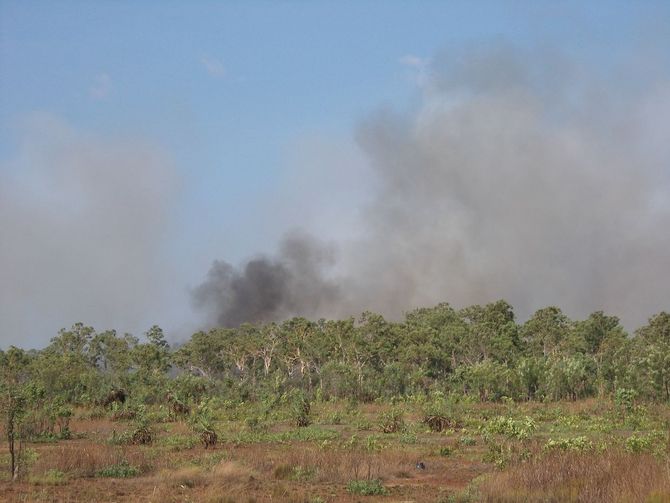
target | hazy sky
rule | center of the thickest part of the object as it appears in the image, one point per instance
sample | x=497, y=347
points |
x=140, y=141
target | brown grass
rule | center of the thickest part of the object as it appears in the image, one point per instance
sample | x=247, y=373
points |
x=79, y=459
x=613, y=476
x=226, y=481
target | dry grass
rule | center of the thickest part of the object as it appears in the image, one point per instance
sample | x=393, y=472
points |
x=327, y=465
x=613, y=476
x=79, y=459
x=226, y=481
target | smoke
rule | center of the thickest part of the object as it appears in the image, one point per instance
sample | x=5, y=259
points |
x=266, y=289
x=83, y=222
x=516, y=176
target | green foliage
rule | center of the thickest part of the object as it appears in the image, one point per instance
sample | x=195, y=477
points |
x=446, y=451
x=49, y=478
x=119, y=470
x=580, y=443
x=652, y=442
x=624, y=399
x=512, y=428
x=177, y=443
x=372, y=487
x=300, y=408
x=392, y=421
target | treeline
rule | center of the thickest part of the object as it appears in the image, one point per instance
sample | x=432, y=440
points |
x=480, y=351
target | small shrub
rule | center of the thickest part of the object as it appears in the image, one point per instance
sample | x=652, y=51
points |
x=50, y=478
x=570, y=444
x=366, y=487
x=467, y=441
x=301, y=409
x=446, y=451
x=178, y=442
x=624, y=399
x=119, y=470
x=143, y=435
x=392, y=421
x=652, y=442
x=438, y=422
x=512, y=428
x=209, y=438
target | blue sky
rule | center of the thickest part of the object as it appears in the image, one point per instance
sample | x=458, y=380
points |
x=231, y=92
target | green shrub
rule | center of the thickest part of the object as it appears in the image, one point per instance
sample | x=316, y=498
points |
x=512, y=428
x=580, y=443
x=624, y=399
x=446, y=451
x=50, y=478
x=392, y=421
x=301, y=409
x=366, y=487
x=177, y=442
x=119, y=470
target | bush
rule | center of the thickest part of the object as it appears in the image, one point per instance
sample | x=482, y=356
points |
x=513, y=428
x=366, y=487
x=119, y=470
x=446, y=451
x=624, y=399
x=570, y=444
x=392, y=421
x=50, y=478
x=301, y=409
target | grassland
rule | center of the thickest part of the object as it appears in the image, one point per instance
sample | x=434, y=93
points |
x=586, y=451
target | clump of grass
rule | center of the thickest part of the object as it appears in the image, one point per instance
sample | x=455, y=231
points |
x=580, y=443
x=177, y=443
x=446, y=451
x=372, y=487
x=119, y=470
x=50, y=478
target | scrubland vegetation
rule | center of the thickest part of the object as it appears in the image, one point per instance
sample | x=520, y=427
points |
x=445, y=405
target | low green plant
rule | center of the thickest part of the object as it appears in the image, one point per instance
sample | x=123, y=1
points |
x=177, y=442
x=651, y=442
x=49, y=478
x=119, y=470
x=392, y=421
x=580, y=443
x=513, y=428
x=372, y=487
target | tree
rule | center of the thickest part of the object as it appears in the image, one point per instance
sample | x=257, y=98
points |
x=14, y=375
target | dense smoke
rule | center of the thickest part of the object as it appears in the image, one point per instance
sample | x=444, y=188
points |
x=267, y=289
x=515, y=178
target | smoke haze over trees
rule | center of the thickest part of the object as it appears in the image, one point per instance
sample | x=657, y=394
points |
x=516, y=175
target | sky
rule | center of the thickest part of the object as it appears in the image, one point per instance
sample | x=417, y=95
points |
x=141, y=141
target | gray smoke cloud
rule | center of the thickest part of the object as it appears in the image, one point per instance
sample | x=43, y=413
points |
x=267, y=288
x=516, y=176
x=82, y=226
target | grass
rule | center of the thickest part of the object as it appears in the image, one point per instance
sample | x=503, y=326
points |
x=613, y=475
x=120, y=470
x=366, y=487
x=574, y=451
